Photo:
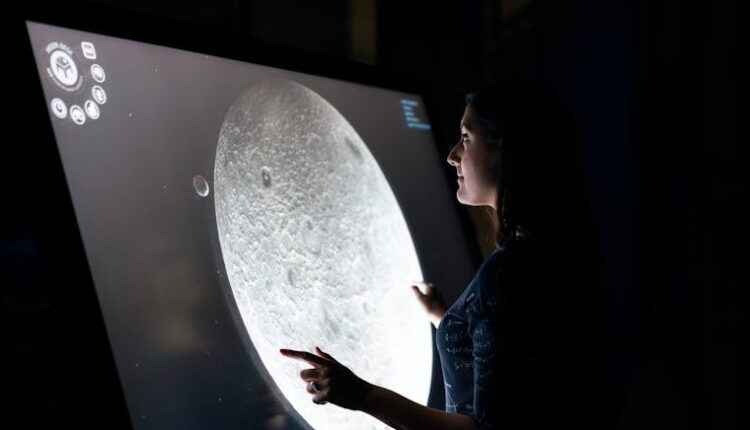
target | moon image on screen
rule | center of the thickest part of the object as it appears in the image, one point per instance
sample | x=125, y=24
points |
x=317, y=250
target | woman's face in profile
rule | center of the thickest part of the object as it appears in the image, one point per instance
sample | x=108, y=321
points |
x=475, y=164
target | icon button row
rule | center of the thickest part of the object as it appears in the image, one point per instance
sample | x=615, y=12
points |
x=77, y=114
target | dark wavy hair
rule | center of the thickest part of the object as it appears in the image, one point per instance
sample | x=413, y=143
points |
x=541, y=193
x=555, y=308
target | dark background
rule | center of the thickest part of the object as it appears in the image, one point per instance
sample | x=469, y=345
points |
x=654, y=89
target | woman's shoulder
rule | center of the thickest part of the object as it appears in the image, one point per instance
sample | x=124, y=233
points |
x=501, y=262
x=491, y=267
x=495, y=277
x=484, y=294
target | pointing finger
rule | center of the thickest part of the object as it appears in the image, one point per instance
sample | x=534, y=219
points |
x=305, y=356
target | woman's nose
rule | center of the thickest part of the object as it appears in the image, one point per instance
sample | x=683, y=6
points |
x=452, y=159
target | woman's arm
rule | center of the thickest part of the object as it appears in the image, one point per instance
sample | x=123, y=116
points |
x=403, y=414
x=335, y=383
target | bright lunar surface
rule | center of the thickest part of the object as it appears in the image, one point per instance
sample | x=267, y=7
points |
x=316, y=249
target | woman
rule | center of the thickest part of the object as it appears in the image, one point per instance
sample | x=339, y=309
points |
x=510, y=344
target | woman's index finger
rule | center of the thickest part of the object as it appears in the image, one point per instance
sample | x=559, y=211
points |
x=305, y=356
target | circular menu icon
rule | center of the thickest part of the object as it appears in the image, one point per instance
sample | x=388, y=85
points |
x=59, y=109
x=88, y=49
x=97, y=72
x=92, y=109
x=77, y=115
x=99, y=95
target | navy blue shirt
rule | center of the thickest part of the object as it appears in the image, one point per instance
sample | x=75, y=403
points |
x=467, y=340
x=512, y=344
x=499, y=343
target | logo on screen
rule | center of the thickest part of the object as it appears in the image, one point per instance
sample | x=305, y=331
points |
x=63, y=69
x=67, y=69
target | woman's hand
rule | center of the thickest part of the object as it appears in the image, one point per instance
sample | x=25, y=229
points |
x=331, y=381
x=431, y=301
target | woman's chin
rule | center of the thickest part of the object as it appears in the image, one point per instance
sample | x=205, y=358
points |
x=464, y=200
x=469, y=202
